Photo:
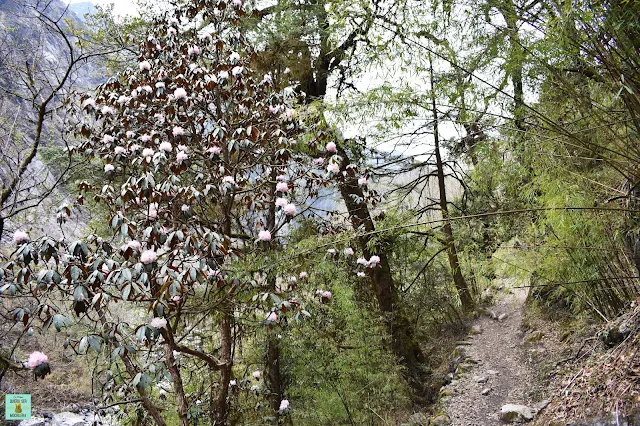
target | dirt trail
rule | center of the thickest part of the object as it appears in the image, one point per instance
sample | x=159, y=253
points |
x=495, y=359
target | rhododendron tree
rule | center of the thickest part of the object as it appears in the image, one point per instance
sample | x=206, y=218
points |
x=189, y=125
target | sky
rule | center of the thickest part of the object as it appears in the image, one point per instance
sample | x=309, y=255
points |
x=121, y=7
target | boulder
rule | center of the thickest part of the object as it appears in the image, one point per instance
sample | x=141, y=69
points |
x=516, y=413
x=68, y=418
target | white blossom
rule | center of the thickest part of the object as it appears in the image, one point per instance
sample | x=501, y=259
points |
x=148, y=256
x=20, y=237
x=180, y=93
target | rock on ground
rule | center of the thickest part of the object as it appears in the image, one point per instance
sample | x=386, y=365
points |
x=516, y=413
x=500, y=374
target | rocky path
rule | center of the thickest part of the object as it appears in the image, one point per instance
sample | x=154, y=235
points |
x=491, y=370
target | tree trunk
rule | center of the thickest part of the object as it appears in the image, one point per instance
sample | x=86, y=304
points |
x=399, y=326
x=178, y=387
x=452, y=253
x=222, y=409
x=272, y=374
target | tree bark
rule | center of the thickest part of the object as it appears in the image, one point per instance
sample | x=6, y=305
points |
x=146, y=401
x=178, y=387
x=452, y=253
x=399, y=326
x=273, y=344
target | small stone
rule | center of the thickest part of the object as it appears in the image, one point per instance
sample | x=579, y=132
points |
x=441, y=420
x=485, y=391
x=503, y=317
x=515, y=413
x=418, y=419
x=476, y=329
x=480, y=379
x=535, y=336
x=492, y=372
x=542, y=405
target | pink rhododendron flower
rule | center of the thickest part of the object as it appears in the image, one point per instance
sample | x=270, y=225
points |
x=363, y=181
x=106, y=110
x=183, y=148
x=159, y=117
x=130, y=134
x=348, y=252
x=234, y=57
x=176, y=299
x=237, y=3
x=36, y=358
x=264, y=235
x=148, y=256
x=304, y=275
x=107, y=139
x=318, y=161
x=256, y=374
x=331, y=147
x=119, y=150
x=327, y=295
x=178, y=131
x=281, y=178
x=147, y=152
x=284, y=405
x=145, y=138
x=333, y=168
x=147, y=88
x=181, y=156
x=123, y=99
x=180, y=93
x=362, y=261
x=374, y=260
x=223, y=75
x=184, y=208
x=267, y=79
x=108, y=168
x=290, y=209
x=134, y=244
x=281, y=202
x=144, y=66
x=194, y=50
x=134, y=147
x=331, y=251
x=158, y=322
x=160, y=85
x=272, y=317
x=89, y=102
x=166, y=147
x=20, y=237
x=282, y=187
x=153, y=211
x=236, y=71
x=232, y=382
x=215, y=150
